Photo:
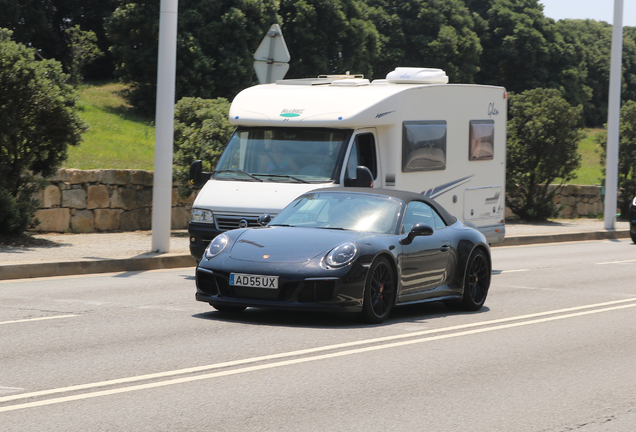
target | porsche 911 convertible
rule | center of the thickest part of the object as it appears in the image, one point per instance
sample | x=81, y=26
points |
x=353, y=250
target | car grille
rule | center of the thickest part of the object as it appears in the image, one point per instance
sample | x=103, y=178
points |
x=315, y=291
x=207, y=282
x=230, y=222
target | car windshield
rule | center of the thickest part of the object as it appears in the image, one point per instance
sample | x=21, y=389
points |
x=341, y=210
x=306, y=155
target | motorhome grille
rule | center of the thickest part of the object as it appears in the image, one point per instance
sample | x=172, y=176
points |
x=225, y=223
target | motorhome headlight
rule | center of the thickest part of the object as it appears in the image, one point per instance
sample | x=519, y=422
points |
x=217, y=246
x=342, y=255
x=200, y=215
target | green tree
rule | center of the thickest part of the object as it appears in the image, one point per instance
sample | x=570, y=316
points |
x=215, y=46
x=42, y=24
x=518, y=44
x=37, y=124
x=201, y=132
x=84, y=50
x=329, y=37
x=626, y=156
x=543, y=137
x=428, y=33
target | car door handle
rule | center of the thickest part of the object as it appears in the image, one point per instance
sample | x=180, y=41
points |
x=444, y=248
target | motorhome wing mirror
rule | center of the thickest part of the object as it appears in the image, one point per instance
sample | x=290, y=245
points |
x=264, y=219
x=419, y=229
x=364, y=178
x=197, y=177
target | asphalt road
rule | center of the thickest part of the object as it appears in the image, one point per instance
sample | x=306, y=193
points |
x=553, y=350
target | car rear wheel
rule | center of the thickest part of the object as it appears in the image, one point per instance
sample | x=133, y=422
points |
x=379, y=292
x=228, y=309
x=476, y=281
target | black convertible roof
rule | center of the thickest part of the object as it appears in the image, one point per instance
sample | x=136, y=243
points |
x=405, y=196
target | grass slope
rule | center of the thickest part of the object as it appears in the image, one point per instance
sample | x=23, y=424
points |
x=117, y=137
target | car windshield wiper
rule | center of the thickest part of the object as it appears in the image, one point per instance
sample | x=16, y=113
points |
x=236, y=172
x=284, y=176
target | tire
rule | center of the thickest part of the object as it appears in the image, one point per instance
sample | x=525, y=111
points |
x=633, y=236
x=476, y=281
x=228, y=309
x=379, y=292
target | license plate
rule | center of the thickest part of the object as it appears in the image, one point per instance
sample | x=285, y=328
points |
x=254, y=281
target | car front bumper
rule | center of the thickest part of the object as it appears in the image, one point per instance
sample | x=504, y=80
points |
x=321, y=290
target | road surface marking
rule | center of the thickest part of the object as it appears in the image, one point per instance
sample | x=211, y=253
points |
x=618, y=262
x=535, y=318
x=37, y=319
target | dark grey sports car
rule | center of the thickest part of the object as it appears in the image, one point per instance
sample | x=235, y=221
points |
x=354, y=250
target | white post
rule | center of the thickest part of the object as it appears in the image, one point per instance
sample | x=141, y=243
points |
x=164, y=127
x=613, y=118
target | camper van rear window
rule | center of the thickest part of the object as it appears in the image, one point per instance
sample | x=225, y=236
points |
x=423, y=146
x=482, y=140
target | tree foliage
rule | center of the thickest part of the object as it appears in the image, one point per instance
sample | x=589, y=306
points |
x=215, y=45
x=543, y=137
x=430, y=33
x=626, y=156
x=329, y=37
x=201, y=132
x=83, y=50
x=43, y=25
x=37, y=123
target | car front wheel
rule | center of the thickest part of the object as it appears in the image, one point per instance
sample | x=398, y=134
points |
x=476, y=281
x=379, y=292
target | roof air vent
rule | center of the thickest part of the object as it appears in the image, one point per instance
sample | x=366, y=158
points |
x=405, y=75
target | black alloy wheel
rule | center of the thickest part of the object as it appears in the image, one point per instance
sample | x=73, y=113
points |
x=228, y=308
x=476, y=281
x=379, y=292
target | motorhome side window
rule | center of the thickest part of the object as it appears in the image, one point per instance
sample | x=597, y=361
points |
x=362, y=154
x=423, y=146
x=482, y=140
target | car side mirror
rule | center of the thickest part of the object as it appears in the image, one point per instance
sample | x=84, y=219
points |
x=419, y=229
x=196, y=176
x=364, y=178
x=264, y=219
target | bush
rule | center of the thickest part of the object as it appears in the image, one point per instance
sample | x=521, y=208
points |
x=626, y=156
x=543, y=137
x=37, y=123
x=201, y=132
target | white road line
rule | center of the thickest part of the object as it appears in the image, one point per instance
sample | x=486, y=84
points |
x=514, y=271
x=570, y=312
x=302, y=360
x=37, y=319
x=617, y=262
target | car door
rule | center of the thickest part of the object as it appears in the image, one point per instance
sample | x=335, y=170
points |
x=425, y=260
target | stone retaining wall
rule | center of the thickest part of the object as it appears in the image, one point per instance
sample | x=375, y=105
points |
x=121, y=200
x=576, y=201
x=103, y=200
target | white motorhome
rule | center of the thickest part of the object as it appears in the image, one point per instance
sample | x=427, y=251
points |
x=412, y=130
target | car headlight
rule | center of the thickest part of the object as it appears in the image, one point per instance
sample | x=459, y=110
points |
x=217, y=246
x=342, y=255
x=634, y=202
x=200, y=215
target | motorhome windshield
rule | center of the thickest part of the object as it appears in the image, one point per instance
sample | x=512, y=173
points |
x=283, y=154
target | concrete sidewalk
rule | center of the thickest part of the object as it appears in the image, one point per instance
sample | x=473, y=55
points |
x=76, y=254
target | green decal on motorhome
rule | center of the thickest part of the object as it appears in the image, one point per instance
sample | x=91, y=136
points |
x=289, y=115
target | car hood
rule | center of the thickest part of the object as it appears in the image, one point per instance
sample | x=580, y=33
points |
x=287, y=244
